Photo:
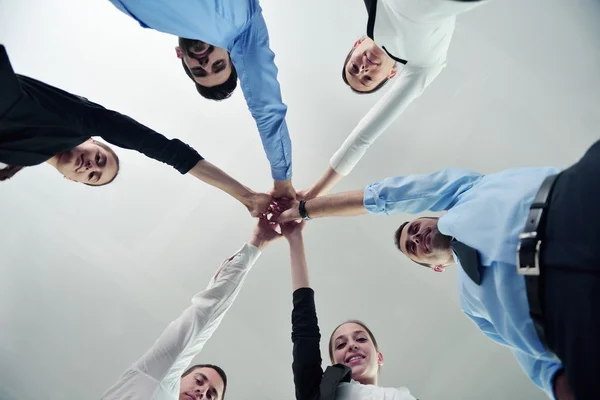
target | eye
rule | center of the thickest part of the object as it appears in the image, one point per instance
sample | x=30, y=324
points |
x=90, y=176
x=361, y=340
x=368, y=78
x=354, y=68
x=340, y=345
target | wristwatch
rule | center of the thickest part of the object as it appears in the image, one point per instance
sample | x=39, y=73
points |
x=302, y=211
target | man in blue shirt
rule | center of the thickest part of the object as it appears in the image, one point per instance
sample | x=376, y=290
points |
x=487, y=214
x=220, y=41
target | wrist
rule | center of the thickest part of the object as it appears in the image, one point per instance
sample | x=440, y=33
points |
x=303, y=210
x=258, y=241
x=295, y=238
x=247, y=196
x=282, y=184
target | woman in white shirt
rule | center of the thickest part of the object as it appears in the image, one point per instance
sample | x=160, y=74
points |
x=353, y=349
x=159, y=374
x=407, y=41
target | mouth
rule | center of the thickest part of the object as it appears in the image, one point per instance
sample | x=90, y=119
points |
x=201, y=53
x=354, y=359
x=427, y=241
x=190, y=396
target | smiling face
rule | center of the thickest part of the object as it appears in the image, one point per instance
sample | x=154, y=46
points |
x=90, y=162
x=368, y=66
x=203, y=383
x=353, y=346
x=209, y=65
x=423, y=243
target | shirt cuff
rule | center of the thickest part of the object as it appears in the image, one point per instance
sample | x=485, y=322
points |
x=371, y=201
x=282, y=173
x=252, y=251
x=190, y=163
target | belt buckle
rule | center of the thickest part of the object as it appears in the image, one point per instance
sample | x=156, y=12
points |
x=528, y=241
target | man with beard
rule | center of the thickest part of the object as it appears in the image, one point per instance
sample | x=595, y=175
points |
x=219, y=41
x=526, y=240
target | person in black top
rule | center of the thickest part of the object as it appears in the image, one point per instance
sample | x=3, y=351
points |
x=352, y=346
x=41, y=123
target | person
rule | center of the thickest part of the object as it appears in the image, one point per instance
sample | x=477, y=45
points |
x=353, y=349
x=407, y=42
x=42, y=123
x=527, y=244
x=163, y=372
x=220, y=41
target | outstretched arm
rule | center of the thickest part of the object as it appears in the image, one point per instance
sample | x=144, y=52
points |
x=125, y=132
x=306, y=337
x=255, y=64
x=185, y=337
x=409, y=194
x=409, y=84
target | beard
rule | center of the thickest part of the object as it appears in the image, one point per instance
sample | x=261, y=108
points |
x=189, y=45
x=439, y=241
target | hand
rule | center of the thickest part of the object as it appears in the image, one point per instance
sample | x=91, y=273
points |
x=562, y=390
x=303, y=194
x=264, y=233
x=283, y=190
x=292, y=229
x=258, y=204
x=285, y=211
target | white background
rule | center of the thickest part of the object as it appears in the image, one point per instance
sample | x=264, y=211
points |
x=90, y=277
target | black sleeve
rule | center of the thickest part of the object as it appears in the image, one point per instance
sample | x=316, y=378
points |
x=306, y=365
x=127, y=133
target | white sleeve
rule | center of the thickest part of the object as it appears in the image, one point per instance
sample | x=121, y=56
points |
x=185, y=337
x=410, y=83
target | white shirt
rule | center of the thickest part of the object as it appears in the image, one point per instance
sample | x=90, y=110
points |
x=157, y=375
x=2, y=165
x=356, y=391
x=418, y=31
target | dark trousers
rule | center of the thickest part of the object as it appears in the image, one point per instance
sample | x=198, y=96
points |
x=571, y=273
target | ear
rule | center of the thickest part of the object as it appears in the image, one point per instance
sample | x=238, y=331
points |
x=69, y=179
x=393, y=72
x=380, y=359
x=359, y=41
x=178, y=52
x=438, y=268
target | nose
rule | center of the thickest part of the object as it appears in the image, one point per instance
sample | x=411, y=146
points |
x=201, y=393
x=88, y=164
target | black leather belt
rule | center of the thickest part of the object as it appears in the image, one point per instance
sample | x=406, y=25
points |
x=528, y=252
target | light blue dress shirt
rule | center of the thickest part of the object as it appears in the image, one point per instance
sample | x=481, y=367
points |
x=486, y=212
x=239, y=27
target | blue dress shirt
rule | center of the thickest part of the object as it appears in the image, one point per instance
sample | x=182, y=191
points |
x=239, y=27
x=486, y=212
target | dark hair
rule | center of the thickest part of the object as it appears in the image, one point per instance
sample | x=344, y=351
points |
x=111, y=151
x=218, y=369
x=217, y=92
x=352, y=321
x=9, y=171
x=397, y=243
x=345, y=79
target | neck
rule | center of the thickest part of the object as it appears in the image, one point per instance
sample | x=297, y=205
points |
x=53, y=161
x=368, y=381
